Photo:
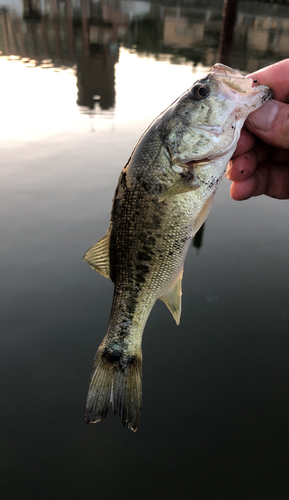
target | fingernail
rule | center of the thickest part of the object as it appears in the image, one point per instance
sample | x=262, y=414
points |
x=263, y=118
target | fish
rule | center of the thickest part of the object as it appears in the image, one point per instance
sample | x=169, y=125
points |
x=163, y=196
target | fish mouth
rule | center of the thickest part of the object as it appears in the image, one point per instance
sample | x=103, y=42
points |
x=203, y=161
x=237, y=83
x=232, y=78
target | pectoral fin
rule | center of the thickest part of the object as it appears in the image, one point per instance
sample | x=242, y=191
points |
x=183, y=185
x=97, y=256
x=172, y=298
x=186, y=181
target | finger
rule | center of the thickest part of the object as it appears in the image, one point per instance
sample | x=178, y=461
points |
x=279, y=155
x=269, y=179
x=255, y=185
x=243, y=166
x=271, y=123
x=276, y=77
x=278, y=182
x=243, y=190
x=245, y=143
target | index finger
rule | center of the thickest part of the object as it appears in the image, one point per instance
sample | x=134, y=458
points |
x=276, y=77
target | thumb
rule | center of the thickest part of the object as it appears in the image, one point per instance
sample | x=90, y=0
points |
x=271, y=123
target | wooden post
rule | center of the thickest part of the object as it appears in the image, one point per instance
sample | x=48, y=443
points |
x=226, y=36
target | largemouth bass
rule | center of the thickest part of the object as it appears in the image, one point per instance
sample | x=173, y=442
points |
x=163, y=196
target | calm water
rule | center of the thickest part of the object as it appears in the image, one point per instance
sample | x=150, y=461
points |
x=79, y=84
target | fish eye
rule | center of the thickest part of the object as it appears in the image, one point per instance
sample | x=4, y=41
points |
x=199, y=92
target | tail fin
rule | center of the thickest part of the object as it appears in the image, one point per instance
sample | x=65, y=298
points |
x=115, y=379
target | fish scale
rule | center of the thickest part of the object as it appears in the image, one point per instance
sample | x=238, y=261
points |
x=163, y=196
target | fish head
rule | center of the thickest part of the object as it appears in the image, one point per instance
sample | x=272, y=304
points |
x=206, y=120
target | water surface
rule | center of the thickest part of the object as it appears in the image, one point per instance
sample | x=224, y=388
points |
x=215, y=408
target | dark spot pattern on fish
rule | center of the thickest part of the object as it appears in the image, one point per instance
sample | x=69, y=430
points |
x=142, y=268
x=123, y=179
x=156, y=221
x=113, y=356
x=146, y=186
x=144, y=256
x=131, y=307
x=117, y=358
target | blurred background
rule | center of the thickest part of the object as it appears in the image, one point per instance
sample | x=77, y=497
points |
x=80, y=80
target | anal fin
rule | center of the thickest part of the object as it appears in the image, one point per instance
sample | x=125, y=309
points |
x=173, y=297
x=97, y=256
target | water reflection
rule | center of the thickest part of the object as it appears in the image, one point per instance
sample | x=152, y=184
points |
x=216, y=407
x=87, y=35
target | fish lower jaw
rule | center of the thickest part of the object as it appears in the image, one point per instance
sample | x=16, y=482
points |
x=218, y=156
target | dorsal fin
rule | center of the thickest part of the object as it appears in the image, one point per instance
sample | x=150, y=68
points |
x=172, y=297
x=97, y=256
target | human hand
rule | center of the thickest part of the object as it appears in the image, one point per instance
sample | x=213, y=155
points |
x=260, y=164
